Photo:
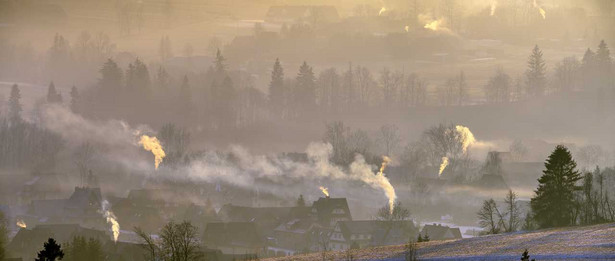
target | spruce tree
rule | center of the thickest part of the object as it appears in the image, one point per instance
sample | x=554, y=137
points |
x=604, y=64
x=536, y=80
x=305, y=95
x=51, y=251
x=276, y=87
x=53, y=96
x=554, y=200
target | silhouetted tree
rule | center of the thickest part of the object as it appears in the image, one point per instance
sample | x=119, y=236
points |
x=277, y=92
x=51, y=251
x=111, y=80
x=498, y=88
x=336, y=135
x=305, y=91
x=137, y=78
x=535, y=76
x=604, y=64
x=554, y=200
x=53, y=96
x=489, y=218
x=388, y=137
x=567, y=74
x=399, y=213
x=14, y=104
x=512, y=211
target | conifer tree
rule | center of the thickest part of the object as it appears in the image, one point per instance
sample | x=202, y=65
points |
x=51, y=251
x=554, y=200
x=305, y=94
x=276, y=88
x=53, y=96
x=536, y=73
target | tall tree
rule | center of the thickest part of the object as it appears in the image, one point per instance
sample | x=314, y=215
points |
x=554, y=200
x=498, y=87
x=512, y=211
x=461, y=88
x=14, y=104
x=604, y=64
x=277, y=92
x=51, y=251
x=567, y=74
x=535, y=75
x=388, y=137
x=53, y=96
x=111, y=80
x=305, y=93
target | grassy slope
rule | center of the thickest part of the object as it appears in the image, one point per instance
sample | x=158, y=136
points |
x=582, y=243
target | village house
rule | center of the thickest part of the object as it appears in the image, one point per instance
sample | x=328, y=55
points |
x=368, y=233
x=440, y=232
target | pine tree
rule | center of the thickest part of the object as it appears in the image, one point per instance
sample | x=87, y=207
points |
x=51, y=251
x=536, y=73
x=74, y=99
x=277, y=93
x=554, y=200
x=14, y=105
x=110, y=83
x=604, y=64
x=53, y=96
x=305, y=95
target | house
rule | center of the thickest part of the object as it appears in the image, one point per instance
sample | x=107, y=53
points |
x=328, y=211
x=234, y=238
x=292, y=237
x=440, y=232
x=302, y=13
x=40, y=187
x=27, y=242
x=266, y=218
x=82, y=207
x=367, y=233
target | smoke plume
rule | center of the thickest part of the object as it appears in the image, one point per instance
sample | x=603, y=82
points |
x=152, y=144
x=111, y=219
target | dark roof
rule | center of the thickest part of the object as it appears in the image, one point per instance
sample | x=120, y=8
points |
x=85, y=197
x=324, y=208
x=439, y=232
x=382, y=232
x=243, y=234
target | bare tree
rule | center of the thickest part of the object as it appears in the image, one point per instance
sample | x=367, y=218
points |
x=83, y=157
x=336, y=135
x=178, y=242
x=389, y=138
x=512, y=211
x=488, y=217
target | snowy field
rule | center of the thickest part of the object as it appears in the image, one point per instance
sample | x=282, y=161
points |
x=576, y=243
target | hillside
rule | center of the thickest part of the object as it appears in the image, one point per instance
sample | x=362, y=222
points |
x=576, y=243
